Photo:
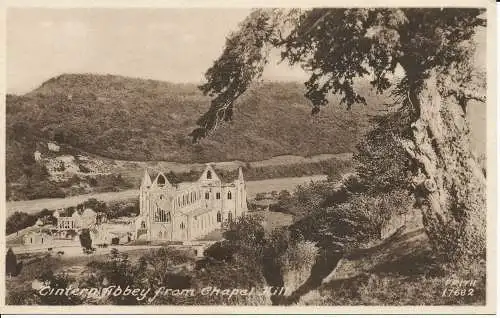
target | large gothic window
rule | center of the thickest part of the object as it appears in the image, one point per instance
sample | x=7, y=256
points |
x=162, y=216
x=207, y=195
x=229, y=196
x=217, y=195
x=209, y=174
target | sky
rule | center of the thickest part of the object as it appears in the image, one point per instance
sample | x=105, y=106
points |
x=176, y=45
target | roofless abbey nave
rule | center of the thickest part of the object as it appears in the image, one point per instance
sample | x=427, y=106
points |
x=188, y=211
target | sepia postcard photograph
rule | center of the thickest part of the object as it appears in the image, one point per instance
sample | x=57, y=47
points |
x=261, y=158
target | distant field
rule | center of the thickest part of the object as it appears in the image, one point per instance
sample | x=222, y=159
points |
x=253, y=187
x=134, y=170
x=274, y=220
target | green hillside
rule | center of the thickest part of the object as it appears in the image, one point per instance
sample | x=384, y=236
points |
x=136, y=119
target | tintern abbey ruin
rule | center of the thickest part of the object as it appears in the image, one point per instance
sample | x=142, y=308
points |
x=188, y=211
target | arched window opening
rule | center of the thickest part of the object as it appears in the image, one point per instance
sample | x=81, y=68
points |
x=161, y=197
x=207, y=195
x=230, y=217
x=229, y=196
x=143, y=225
x=162, y=216
x=161, y=180
x=182, y=226
x=217, y=195
x=209, y=174
x=160, y=235
x=219, y=217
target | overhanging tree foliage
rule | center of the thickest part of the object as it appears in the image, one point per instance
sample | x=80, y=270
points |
x=434, y=48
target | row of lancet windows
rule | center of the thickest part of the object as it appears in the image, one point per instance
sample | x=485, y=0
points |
x=165, y=217
x=187, y=199
x=217, y=195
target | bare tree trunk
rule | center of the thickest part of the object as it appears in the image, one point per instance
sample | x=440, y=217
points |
x=450, y=185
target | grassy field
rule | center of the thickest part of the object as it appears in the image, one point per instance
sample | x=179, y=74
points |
x=274, y=220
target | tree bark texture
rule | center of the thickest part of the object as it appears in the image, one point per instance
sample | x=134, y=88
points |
x=450, y=185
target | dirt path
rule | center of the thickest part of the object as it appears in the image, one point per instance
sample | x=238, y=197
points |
x=253, y=187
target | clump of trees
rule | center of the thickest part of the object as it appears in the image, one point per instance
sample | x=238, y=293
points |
x=18, y=221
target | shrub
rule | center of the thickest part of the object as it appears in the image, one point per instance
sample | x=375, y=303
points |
x=11, y=266
x=221, y=251
x=57, y=281
x=121, y=209
x=245, y=231
x=85, y=239
x=96, y=205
